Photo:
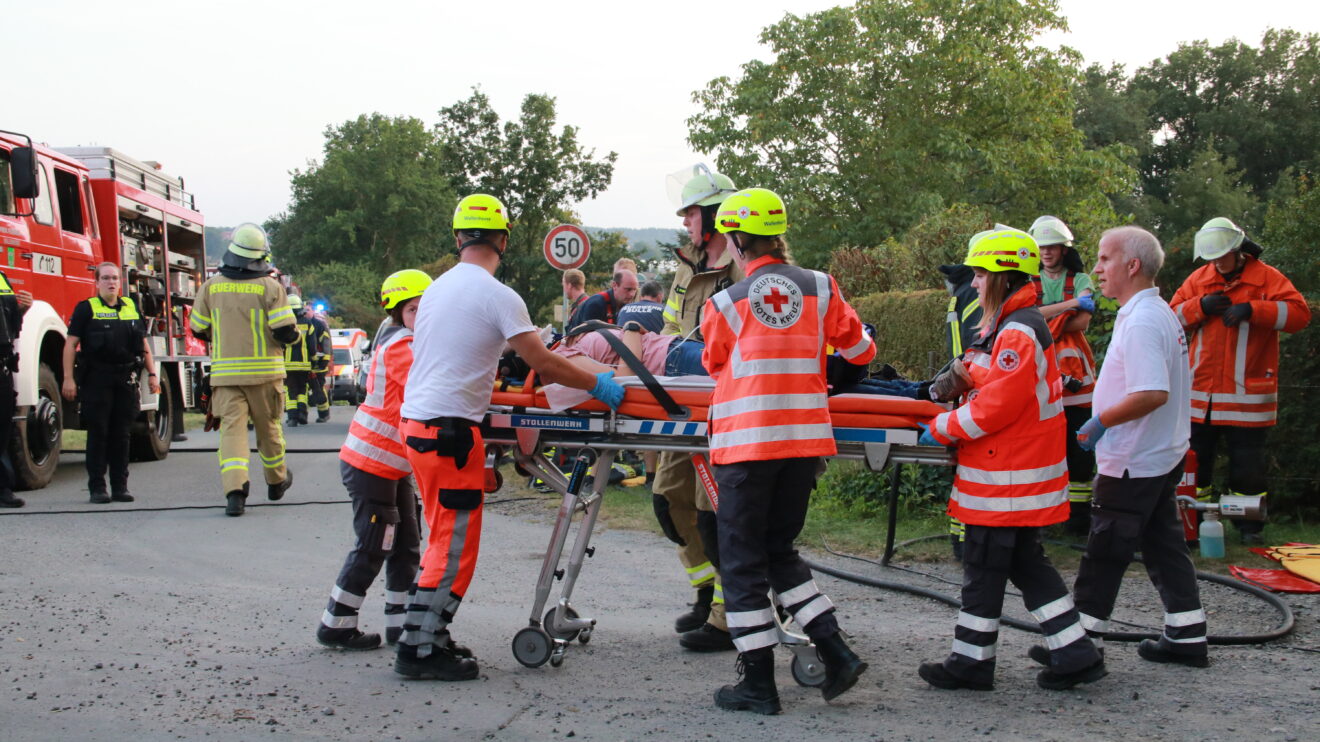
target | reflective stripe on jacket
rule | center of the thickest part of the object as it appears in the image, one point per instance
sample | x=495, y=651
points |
x=238, y=315
x=374, y=443
x=765, y=346
x=296, y=355
x=1071, y=349
x=1012, y=467
x=1235, y=370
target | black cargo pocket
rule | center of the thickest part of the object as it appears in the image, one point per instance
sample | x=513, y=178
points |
x=1114, y=536
x=454, y=442
x=989, y=547
x=460, y=499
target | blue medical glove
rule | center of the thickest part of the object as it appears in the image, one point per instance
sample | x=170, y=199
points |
x=926, y=438
x=1090, y=433
x=607, y=390
x=1086, y=303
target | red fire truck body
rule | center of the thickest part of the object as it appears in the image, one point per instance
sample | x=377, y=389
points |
x=63, y=211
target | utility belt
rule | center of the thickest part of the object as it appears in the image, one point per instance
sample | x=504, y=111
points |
x=444, y=436
x=457, y=474
x=119, y=369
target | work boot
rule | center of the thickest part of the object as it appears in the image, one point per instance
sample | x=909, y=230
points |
x=276, y=491
x=756, y=689
x=1040, y=654
x=121, y=496
x=346, y=639
x=1051, y=680
x=394, y=633
x=937, y=675
x=442, y=664
x=323, y=416
x=842, y=665
x=1149, y=649
x=7, y=500
x=291, y=422
x=694, y=618
x=100, y=497
x=235, y=503
x=707, y=638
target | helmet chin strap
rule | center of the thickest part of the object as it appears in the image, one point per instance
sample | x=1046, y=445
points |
x=484, y=239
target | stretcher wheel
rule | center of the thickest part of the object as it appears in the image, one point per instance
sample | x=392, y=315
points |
x=585, y=636
x=810, y=673
x=557, y=656
x=547, y=622
x=532, y=647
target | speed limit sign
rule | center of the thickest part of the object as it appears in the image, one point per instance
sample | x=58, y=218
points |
x=567, y=246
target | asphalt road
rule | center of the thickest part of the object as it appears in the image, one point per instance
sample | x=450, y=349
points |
x=136, y=621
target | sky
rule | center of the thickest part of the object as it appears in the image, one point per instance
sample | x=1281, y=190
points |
x=234, y=95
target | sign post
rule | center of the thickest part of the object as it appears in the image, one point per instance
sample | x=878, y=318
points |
x=566, y=246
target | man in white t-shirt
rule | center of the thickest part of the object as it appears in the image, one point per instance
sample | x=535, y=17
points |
x=464, y=319
x=1140, y=434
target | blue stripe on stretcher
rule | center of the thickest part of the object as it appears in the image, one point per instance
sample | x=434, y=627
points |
x=876, y=435
x=662, y=427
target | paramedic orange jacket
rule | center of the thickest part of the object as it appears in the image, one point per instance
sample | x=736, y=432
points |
x=374, y=444
x=1235, y=370
x=1012, y=466
x=1071, y=350
x=765, y=346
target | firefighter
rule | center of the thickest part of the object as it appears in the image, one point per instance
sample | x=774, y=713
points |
x=374, y=467
x=463, y=322
x=1064, y=291
x=109, y=342
x=321, y=349
x=297, y=367
x=245, y=317
x=1012, y=475
x=686, y=516
x=765, y=346
x=13, y=305
x=1233, y=309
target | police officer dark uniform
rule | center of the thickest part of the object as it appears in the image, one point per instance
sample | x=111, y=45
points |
x=107, y=339
x=12, y=306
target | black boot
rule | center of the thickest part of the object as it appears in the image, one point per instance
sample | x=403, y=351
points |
x=694, y=618
x=7, y=499
x=441, y=664
x=235, y=503
x=346, y=639
x=323, y=416
x=842, y=665
x=706, y=638
x=755, y=690
x=276, y=491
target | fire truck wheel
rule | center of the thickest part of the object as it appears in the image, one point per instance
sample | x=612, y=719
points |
x=35, y=445
x=152, y=433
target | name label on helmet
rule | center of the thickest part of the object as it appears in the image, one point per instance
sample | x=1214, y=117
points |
x=775, y=301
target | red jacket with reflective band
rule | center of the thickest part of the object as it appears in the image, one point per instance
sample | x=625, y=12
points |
x=1071, y=349
x=1012, y=467
x=374, y=444
x=1235, y=370
x=765, y=346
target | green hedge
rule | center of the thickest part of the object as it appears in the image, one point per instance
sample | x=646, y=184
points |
x=909, y=329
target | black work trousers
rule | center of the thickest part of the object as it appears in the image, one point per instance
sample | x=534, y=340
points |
x=8, y=404
x=108, y=405
x=763, y=505
x=992, y=557
x=1131, y=513
x=396, y=546
x=1246, y=461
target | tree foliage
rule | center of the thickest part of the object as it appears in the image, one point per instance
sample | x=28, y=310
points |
x=873, y=116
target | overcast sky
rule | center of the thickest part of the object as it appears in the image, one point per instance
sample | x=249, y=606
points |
x=233, y=95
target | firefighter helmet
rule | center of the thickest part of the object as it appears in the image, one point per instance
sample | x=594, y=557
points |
x=1217, y=238
x=481, y=211
x=295, y=303
x=1050, y=230
x=1004, y=249
x=249, y=241
x=755, y=211
x=698, y=186
x=402, y=286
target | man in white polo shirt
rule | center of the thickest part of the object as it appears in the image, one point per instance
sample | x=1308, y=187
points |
x=1140, y=430
x=463, y=321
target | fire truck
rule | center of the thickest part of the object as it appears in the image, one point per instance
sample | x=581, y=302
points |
x=63, y=211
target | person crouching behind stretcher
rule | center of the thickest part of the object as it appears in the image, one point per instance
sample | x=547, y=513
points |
x=1012, y=475
x=463, y=321
x=765, y=346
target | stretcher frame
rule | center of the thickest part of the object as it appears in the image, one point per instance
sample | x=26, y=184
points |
x=525, y=432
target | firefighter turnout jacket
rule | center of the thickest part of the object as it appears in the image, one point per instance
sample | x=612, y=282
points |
x=239, y=316
x=1235, y=370
x=696, y=280
x=765, y=346
x=374, y=444
x=1012, y=468
x=298, y=354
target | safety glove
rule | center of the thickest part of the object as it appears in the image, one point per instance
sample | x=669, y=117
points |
x=1086, y=303
x=1237, y=313
x=926, y=438
x=1090, y=433
x=1215, y=304
x=608, y=390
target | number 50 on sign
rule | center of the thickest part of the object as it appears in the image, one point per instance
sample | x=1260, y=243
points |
x=566, y=246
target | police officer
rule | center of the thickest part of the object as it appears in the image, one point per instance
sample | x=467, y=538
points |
x=107, y=339
x=245, y=317
x=12, y=307
x=320, y=350
x=297, y=367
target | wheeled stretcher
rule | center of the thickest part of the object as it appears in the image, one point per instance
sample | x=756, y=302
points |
x=874, y=429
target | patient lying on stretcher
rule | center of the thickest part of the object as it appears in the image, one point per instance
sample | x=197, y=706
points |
x=662, y=355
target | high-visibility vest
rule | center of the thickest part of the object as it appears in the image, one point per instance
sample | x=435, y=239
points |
x=1071, y=349
x=113, y=337
x=1012, y=457
x=765, y=345
x=374, y=443
x=1235, y=370
x=239, y=315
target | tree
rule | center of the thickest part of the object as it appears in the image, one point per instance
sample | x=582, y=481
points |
x=535, y=171
x=873, y=116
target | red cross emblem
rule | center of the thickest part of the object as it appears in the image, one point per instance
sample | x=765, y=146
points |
x=777, y=299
